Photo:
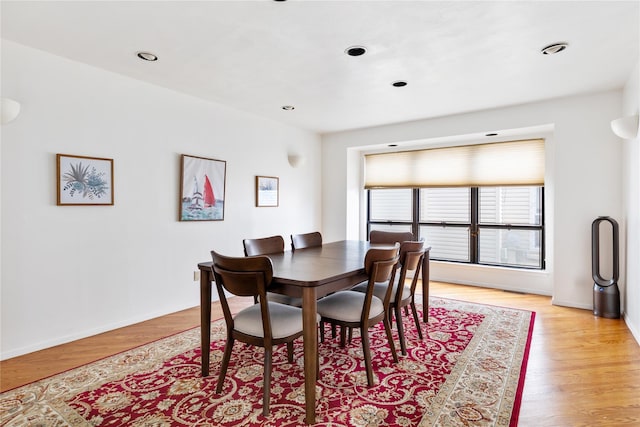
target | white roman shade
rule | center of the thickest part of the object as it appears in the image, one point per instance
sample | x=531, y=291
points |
x=497, y=164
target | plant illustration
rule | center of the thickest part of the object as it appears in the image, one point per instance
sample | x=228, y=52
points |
x=85, y=180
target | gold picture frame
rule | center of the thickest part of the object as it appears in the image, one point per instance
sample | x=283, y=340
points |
x=202, y=188
x=267, y=191
x=84, y=181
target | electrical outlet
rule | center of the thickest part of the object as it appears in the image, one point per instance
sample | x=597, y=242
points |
x=196, y=276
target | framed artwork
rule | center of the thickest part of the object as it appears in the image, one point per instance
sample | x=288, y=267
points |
x=202, y=188
x=267, y=191
x=84, y=181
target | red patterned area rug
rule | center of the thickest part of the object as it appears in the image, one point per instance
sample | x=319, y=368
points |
x=468, y=371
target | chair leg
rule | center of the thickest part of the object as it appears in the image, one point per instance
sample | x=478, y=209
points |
x=317, y=365
x=343, y=336
x=267, y=382
x=366, y=350
x=333, y=330
x=321, y=331
x=416, y=320
x=403, y=344
x=387, y=328
x=225, y=364
x=350, y=335
x=290, y=351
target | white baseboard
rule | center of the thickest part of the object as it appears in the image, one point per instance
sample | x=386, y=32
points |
x=631, y=326
x=519, y=289
x=81, y=334
x=571, y=304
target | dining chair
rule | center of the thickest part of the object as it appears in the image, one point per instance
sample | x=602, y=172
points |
x=265, y=324
x=309, y=240
x=385, y=237
x=379, y=236
x=266, y=246
x=306, y=240
x=402, y=295
x=351, y=309
x=263, y=246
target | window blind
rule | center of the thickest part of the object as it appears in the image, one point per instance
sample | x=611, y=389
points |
x=496, y=164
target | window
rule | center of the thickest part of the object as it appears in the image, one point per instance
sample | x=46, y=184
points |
x=445, y=216
x=479, y=203
x=502, y=226
x=391, y=210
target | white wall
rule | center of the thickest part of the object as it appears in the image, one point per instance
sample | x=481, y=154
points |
x=582, y=182
x=70, y=272
x=631, y=205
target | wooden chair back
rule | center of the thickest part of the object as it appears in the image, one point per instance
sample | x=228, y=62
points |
x=380, y=265
x=306, y=240
x=407, y=247
x=377, y=262
x=379, y=236
x=411, y=256
x=263, y=246
x=245, y=276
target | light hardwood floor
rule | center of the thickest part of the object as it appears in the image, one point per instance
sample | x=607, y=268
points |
x=583, y=370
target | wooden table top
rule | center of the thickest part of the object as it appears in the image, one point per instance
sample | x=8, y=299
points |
x=316, y=266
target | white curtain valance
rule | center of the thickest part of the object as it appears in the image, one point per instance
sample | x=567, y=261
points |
x=497, y=164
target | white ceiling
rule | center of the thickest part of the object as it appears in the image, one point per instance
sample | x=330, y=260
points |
x=257, y=56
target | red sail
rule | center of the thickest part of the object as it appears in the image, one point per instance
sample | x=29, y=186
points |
x=209, y=198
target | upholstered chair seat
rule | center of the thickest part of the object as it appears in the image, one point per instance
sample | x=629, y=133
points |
x=347, y=306
x=380, y=289
x=285, y=320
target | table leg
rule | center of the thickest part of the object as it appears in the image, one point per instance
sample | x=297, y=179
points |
x=425, y=286
x=205, y=320
x=310, y=326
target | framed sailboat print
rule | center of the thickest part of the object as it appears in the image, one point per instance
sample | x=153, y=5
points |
x=202, y=188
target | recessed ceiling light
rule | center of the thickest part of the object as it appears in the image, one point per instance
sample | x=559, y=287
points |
x=355, y=50
x=288, y=107
x=399, y=83
x=147, y=56
x=491, y=134
x=554, y=48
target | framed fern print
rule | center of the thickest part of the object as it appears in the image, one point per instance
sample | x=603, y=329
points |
x=84, y=181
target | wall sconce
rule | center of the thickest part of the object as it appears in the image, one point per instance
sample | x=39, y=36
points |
x=10, y=110
x=296, y=160
x=625, y=127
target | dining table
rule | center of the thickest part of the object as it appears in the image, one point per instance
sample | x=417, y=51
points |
x=310, y=274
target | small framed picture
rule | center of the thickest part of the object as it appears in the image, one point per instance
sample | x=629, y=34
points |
x=202, y=189
x=84, y=181
x=267, y=191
